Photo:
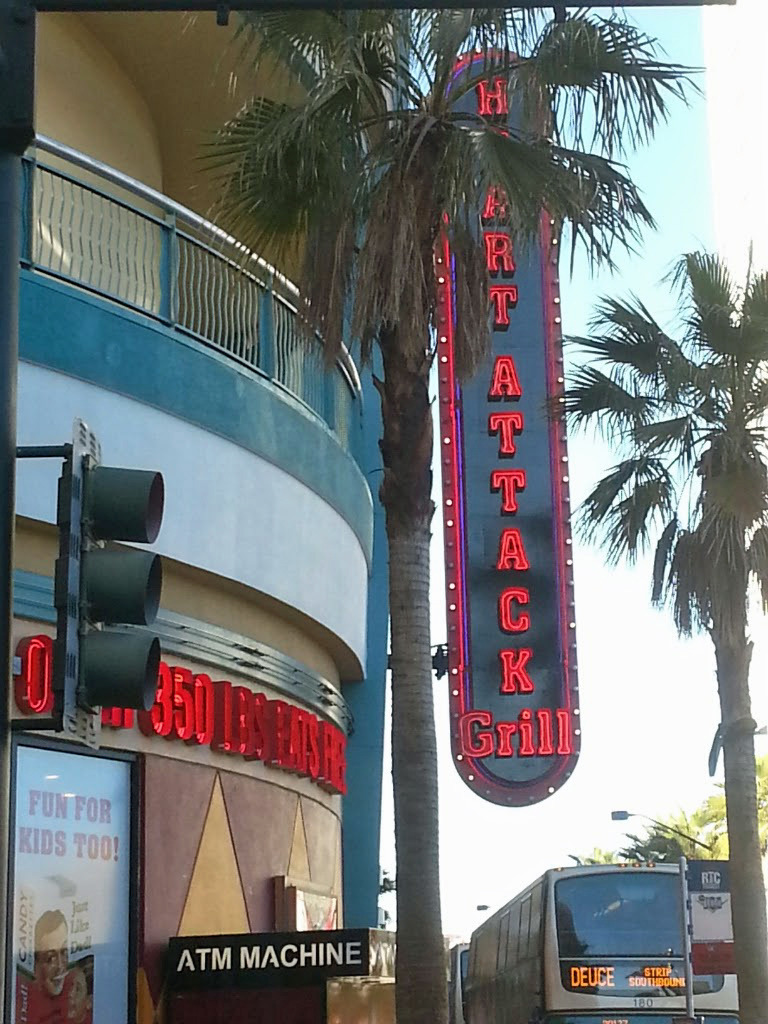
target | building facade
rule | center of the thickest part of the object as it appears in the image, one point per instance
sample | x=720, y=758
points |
x=142, y=319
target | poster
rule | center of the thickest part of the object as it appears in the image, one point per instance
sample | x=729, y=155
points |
x=71, y=888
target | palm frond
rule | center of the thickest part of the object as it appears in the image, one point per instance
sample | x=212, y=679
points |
x=603, y=81
x=710, y=298
x=734, y=484
x=676, y=436
x=689, y=584
x=757, y=561
x=755, y=305
x=625, y=504
x=595, y=399
x=661, y=560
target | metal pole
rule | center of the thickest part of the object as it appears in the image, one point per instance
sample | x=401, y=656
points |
x=10, y=247
x=671, y=828
x=685, y=919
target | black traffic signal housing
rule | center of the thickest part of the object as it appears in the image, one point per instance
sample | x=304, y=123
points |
x=101, y=591
x=17, y=74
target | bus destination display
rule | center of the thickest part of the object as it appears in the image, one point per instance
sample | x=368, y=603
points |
x=628, y=1017
x=623, y=977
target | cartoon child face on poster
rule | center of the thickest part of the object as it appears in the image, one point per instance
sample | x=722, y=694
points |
x=61, y=990
x=71, y=888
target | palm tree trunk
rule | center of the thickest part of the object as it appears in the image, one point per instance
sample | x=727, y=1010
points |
x=421, y=992
x=746, y=874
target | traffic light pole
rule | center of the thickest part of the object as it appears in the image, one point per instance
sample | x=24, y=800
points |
x=10, y=248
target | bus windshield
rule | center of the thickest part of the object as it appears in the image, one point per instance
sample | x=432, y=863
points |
x=621, y=913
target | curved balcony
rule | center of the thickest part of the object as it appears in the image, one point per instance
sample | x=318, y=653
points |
x=100, y=230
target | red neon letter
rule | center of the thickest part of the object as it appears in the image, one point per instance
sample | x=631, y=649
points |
x=159, y=720
x=258, y=748
x=506, y=622
x=544, y=717
x=278, y=724
x=514, y=674
x=508, y=481
x=504, y=382
x=479, y=744
x=495, y=204
x=564, y=741
x=511, y=551
x=503, y=297
x=204, y=710
x=184, y=702
x=117, y=718
x=313, y=760
x=33, y=686
x=525, y=731
x=505, y=731
x=333, y=763
x=492, y=100
x=222, y=717
x=498, y=248
x=507, y=424
x=242, y=721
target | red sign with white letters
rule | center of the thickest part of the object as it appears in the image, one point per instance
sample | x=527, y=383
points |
x=192, y=707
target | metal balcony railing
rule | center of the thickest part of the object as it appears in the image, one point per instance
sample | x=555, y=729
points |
x=90, y=225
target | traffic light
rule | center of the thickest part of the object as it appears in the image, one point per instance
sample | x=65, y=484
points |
x=17, y=74
x=101, y=591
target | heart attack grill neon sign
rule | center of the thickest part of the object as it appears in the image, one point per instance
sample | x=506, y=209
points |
x=515, y=729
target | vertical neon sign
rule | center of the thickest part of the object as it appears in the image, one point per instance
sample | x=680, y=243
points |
x=515, y=726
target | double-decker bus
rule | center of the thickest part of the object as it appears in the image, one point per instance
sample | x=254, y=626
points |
x=590, y=945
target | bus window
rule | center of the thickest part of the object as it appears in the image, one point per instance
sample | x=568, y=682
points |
x=618, y=914
x=534, y=931
x=501, y=948
x=525, y=923
x=513, y=935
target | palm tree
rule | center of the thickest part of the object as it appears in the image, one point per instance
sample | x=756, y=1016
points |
x=350, y=180
x=713, y=812
x=697, y=836
x=688, y=416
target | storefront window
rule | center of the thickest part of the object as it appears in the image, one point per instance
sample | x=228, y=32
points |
x=72, y=872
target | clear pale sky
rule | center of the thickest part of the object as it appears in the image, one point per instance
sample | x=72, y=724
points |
x=649, y=704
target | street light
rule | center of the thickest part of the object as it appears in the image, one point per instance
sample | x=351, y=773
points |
x=624, y=815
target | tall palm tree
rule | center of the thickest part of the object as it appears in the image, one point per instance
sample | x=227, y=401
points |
x=349, y=179
x=688, y=416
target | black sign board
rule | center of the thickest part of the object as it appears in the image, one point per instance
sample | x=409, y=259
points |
x=515, y=725
x=706, y=876
x=266, y=960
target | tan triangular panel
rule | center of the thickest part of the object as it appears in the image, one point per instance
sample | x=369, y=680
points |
x=145, y=1008
x=215, y=903
x=298, y=866
x=321, y=827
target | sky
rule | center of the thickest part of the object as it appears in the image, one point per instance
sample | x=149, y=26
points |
x=648, y=699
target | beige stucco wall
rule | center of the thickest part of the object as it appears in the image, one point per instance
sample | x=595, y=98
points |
x=85, y=99
x=146, y=92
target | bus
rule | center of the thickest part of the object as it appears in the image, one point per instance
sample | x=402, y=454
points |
x=596, y=944
x=458, y=961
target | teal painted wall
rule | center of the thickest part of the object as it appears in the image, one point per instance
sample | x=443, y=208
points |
x=361, y=823
x=113, y=348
